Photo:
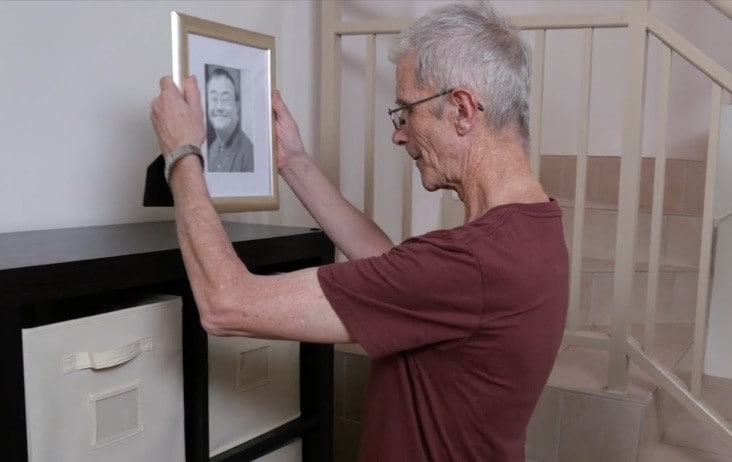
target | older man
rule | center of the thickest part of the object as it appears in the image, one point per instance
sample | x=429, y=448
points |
x=463, y=325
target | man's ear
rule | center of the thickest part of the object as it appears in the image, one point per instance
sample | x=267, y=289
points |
x=468, y=110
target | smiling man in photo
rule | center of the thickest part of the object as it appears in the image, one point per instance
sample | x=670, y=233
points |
x=229, y=148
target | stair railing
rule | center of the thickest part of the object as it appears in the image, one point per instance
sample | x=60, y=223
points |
x=640, y=24
x=623, y=347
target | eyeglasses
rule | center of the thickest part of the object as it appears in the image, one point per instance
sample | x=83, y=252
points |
x=396, y=114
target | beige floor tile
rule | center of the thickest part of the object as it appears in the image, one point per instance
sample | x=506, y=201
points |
x=586, y=369
x=599, y=429
x=551, y=175
x=694, y=187
x=680, y=428
x=599, y=234
x=683, y=240
x=604, y=189
x=683, y=306
x=670, y=453
x=569, y=176
x=646, y=186
x=674, y=187
x=542, y=433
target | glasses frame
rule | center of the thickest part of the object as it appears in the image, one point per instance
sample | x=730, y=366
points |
x=395, y=114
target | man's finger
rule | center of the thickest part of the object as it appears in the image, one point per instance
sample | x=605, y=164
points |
x=192, y=95
x=279, y=106
x=166, y=81
x=191, y=88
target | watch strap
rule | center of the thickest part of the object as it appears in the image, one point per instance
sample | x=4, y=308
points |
x=177, y=154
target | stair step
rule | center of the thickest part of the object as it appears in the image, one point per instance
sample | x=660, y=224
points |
x=680, y=237
x=675, y=297
x=612, y=206
x=679, y=428
x=602, y=265
x=665, y=452
x=585, y=369
x=576, y=419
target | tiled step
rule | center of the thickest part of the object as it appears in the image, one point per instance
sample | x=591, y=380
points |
x=679, y=428
x=676, y=295
x=576, y=419
x=664, y=452
x=680, y=237
x=574, y=426
x=683, y=192
x=677, y=278
x=585, y=369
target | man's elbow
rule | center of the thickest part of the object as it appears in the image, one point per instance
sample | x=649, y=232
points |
x=221, y=311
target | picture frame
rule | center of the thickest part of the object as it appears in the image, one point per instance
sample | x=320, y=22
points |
x=235, y=73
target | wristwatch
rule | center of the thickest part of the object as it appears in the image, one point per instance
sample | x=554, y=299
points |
x=177, y=154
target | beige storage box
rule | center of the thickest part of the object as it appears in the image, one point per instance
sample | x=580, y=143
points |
x=290, y=453
x=107, y=387
x=253, y=387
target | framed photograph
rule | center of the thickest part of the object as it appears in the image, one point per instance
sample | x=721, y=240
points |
x=234, y=68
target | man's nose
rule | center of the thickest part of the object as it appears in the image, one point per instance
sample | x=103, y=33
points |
x=399, y=137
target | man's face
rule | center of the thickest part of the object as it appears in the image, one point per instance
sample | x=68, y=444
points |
x=222, y=104
x=423, y=134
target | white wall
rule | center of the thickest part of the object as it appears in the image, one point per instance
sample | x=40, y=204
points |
x=77, y=78
x=76, y=81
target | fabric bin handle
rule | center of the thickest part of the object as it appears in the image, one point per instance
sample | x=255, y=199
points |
x=106, y=359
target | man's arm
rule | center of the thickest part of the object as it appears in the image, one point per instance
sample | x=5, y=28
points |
x=353, y=233
x=231, y=300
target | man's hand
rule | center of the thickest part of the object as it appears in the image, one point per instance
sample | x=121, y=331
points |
x=177, y=117
x=289, y=143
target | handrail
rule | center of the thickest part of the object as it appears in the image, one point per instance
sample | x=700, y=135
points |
x=677, y=388
x=692, y=54
x=723, y=6
x=524, y=22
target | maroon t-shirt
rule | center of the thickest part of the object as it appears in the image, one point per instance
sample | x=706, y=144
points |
x=463, y=326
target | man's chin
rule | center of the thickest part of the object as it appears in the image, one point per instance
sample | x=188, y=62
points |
x=221, y=127
x=429, y=185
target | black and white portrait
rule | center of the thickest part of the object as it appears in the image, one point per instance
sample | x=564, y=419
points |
x=233, y=69
x=230, y=146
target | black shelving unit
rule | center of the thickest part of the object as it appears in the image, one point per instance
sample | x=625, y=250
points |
x=44, y=273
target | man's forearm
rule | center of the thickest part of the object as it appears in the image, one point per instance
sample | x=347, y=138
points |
x=353, y=233
x=211, y=263
x=230, y=299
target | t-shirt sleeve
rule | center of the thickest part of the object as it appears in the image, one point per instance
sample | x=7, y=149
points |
x=419, y=293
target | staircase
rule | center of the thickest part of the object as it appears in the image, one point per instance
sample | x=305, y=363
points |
x=577, y=419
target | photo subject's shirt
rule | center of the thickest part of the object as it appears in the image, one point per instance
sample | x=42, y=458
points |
x=236, y=155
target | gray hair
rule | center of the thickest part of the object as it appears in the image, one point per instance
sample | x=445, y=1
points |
x=474, y=47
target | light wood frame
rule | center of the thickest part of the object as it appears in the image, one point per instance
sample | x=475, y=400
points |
x=199, y=45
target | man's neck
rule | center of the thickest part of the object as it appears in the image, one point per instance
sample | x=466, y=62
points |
x=498, y=175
